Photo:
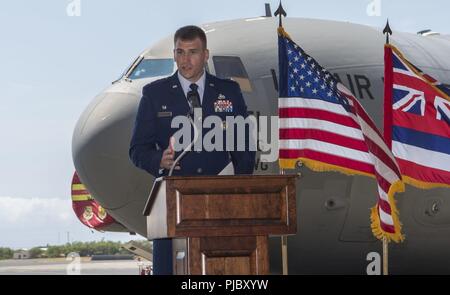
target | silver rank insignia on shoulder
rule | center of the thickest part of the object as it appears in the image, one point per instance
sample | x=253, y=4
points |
x=174, y=86
x=211, y=84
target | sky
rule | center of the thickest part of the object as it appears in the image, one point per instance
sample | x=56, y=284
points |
x=56, y=55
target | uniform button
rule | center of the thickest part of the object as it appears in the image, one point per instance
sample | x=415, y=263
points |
x=199, y=170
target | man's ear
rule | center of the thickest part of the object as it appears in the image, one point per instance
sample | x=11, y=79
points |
x=206, y=55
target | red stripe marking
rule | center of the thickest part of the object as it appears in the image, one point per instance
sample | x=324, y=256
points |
x=419, y=84
x=385, y=206
x=382, y=182
x=384, y=185
x=76, y=179
x=374, y=148
x=363, y=115
x=381, y=154
x=425, y=124
x=318, y=114
x=324, y=136
x=387, y=228
x=423, y=173
x=79, y=192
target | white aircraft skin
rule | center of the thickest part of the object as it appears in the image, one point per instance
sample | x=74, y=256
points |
x=334, y=235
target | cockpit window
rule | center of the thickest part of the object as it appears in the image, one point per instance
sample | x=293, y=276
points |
x=152, y=68
x=231, y=67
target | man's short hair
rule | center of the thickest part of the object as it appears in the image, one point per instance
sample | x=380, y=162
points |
x=189, y=33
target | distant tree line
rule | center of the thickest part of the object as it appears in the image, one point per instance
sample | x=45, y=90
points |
x=6, y=253
x=82, y=248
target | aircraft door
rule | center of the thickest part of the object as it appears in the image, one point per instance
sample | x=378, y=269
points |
x=260, y=96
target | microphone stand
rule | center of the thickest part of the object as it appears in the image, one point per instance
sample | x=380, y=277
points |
x=188, y=148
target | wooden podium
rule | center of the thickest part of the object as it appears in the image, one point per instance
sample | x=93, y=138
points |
x=221, y=223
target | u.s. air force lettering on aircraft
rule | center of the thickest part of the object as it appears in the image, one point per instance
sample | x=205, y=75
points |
x=357, y=84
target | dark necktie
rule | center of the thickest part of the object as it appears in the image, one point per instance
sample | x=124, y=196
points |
x=193, y=97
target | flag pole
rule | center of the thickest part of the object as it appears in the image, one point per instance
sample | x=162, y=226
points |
x=387, y=31
x=284, y=250
x=385, y=257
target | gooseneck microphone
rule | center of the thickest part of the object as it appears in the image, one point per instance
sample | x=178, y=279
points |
x=193, y=99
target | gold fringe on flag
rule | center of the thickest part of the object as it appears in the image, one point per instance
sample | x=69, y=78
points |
x=283, y=33
x=423, y=185
x=318, y=166
x=396, y=187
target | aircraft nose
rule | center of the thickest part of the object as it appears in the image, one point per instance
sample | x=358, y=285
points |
x=100, y=149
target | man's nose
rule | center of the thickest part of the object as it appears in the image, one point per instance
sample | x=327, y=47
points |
x=186, y=58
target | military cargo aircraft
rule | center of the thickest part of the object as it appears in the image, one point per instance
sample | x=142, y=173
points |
x=334, y=234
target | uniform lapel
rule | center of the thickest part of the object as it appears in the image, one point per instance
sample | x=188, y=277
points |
x=209, y=95
x=178, y=93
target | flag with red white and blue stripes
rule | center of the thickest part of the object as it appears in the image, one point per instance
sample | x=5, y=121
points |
x=324, y=126
x=417, y=122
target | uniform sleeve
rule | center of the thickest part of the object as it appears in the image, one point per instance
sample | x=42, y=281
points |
x=144, y=152
x=243, y=161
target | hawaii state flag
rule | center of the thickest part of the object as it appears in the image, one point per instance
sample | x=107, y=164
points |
x=417, y=122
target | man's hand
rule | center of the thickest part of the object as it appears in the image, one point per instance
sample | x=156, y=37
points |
x=168, y=155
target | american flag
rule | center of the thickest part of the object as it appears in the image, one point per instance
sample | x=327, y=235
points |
x=323, y=125
x=417, y=122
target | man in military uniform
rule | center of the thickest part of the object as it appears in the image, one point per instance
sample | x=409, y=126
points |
x=191, y=86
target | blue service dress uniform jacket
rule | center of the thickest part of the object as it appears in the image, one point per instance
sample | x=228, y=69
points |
x=162, y=101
